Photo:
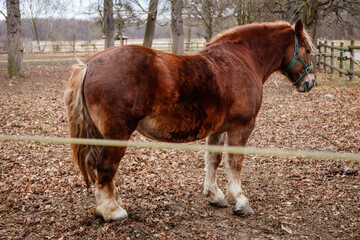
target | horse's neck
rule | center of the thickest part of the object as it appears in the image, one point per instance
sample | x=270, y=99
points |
x=267, y=54
x=264, y=55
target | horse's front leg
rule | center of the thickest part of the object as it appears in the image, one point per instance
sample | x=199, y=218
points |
x=106, y=204
x=212, y=160
x=238, y=137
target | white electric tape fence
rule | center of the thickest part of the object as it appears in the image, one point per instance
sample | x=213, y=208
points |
x=324, y=155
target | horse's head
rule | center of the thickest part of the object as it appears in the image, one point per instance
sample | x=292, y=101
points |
x=297, y=63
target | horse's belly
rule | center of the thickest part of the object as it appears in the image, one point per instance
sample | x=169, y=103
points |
x=169, y=129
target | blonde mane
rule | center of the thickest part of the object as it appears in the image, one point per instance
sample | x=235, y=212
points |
x=235, y=34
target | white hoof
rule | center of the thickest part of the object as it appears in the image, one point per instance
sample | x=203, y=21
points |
x=216, y=197
x=242, y=207
x=222, y=203
x=245, y=211
x=108, y=215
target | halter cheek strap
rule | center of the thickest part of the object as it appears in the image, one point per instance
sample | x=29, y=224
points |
x=298, y=58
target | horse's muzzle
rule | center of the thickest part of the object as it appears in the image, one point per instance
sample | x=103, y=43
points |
x=307, y=84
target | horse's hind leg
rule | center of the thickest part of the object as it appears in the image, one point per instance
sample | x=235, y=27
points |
x=107, y=164
x=212, y=160
x=238, y=137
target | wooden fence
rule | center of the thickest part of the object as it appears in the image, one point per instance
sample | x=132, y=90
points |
x=338, y=57
x=95, y=46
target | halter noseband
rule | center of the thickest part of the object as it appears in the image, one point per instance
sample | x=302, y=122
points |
x=297, y=57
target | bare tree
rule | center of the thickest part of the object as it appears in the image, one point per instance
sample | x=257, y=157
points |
x=188, y=22
x=37, y=12
x=213, y=15
x=247, y=11
x=150, y=23
x=33, y=10
x=313, y=12
x=125, y=16
x=15, y=46
x=108, y=23
x=177, y=28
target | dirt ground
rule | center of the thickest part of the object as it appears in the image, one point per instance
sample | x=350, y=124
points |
x=42, y=195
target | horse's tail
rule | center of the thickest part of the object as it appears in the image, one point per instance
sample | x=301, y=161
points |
x=81, y=125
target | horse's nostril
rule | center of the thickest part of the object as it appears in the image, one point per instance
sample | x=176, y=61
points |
x=307, y=87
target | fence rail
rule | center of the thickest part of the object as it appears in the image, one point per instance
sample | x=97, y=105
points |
x=325, y=155
x=95, y=46
x=345, y=56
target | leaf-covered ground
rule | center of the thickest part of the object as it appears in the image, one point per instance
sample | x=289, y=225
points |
x=42, y=195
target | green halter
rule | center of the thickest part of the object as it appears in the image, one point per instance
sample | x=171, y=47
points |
x=297, y=57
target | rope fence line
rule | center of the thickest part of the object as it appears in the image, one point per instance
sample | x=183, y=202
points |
x=324, y=155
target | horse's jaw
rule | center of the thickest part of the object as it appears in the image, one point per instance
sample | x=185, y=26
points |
x=307, y=84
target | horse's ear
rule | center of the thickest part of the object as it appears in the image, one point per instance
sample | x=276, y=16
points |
x=299, y=26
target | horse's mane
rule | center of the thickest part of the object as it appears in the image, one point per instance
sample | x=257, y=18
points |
x=309, y=40
x=236, y=34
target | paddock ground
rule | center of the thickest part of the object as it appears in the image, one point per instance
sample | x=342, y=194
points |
x=42, y=195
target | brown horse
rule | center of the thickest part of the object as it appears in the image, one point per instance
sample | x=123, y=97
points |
x=180, y=99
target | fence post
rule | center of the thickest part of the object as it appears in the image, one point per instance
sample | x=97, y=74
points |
x=319, y=54
x=341, y=62
x=325, y=51
x=332, y=57
x=352, y=57
x=314, y=63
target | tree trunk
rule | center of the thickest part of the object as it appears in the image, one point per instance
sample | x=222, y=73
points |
x=15, y=46
x=311, y=29
x=188, y=38
x=150, y=23
x=310, y=18
x=177, y=28
x=207, y=10
x=108, y=23
x=36, y=32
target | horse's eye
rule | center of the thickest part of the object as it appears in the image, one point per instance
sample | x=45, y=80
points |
x=308, y=51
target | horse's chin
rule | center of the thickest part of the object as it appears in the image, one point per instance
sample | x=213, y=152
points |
x=307, y=84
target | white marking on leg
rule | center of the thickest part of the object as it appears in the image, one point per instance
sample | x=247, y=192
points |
x=234, y=186
x=211, y=190
x=106, y=205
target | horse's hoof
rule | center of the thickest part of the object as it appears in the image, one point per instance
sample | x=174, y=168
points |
x=245, y=211
x=117, y=214
x=222, y=203
x=120, y=213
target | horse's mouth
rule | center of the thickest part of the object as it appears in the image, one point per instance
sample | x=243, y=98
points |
x=307, y=84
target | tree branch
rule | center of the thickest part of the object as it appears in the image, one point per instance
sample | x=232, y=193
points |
x=3, y=14
x=139, y=5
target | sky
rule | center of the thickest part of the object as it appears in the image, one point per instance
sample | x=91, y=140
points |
x=76, y=8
